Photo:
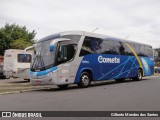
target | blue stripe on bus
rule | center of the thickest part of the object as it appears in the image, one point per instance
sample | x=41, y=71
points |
x=148, y=66
x=44, y=72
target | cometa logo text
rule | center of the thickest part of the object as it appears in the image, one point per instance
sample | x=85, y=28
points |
x=108, y=60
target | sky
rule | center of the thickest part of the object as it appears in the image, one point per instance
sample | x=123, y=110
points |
x=136, y=20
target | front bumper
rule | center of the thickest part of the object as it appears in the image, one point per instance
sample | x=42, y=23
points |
x=43, y=80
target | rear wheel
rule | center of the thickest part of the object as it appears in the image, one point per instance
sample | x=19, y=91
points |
x=138, y=76
x=62, y=86
x=85, y=80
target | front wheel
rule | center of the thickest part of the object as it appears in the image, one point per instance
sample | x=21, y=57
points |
x=85, y=80
x=138, y=76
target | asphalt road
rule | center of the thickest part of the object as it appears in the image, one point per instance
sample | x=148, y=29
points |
x=108, y=96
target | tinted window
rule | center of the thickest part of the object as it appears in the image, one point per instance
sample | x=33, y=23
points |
x=66, y=53
x=125, y=50
x=142, y=51
x=91, y=45
x=24, y=58
x=45, y=57
x=122, y=48
x=108, y=47
x=134, y=46
x=149, y=51
x=117, y=46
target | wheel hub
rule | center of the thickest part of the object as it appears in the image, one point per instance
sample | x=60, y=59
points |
x=85, y=79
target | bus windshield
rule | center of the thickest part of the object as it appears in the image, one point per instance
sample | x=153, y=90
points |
x=43, y=58
x=66, y=53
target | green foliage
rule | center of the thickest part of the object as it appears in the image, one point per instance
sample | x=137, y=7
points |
x=157, y=57
x=15, y=37
x=157, y=50
x=20, y=44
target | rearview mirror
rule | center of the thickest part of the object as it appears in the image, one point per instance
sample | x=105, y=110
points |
x=51, y=48
x=52, y=44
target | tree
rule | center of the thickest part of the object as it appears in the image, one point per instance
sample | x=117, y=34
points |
x=15, y=37
x=157, y=57
x=157, y=50
x=20, y=44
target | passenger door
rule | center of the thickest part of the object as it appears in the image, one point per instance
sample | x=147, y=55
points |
x=65, y=55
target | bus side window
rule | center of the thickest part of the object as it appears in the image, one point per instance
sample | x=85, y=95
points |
x=117, y=47
x=135, y=47
x=126, y=50
x=66, y=53
x=142, y=51
x=91, y=45
x=108, y=47
x=72, y=51
x=149, y=51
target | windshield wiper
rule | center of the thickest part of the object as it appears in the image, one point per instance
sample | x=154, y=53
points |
x=38, y=63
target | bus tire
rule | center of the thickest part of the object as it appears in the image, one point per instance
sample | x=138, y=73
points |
x=138, y=76
x=62, y=86
x=119, y=80
x=85, y=80
x=7, y=77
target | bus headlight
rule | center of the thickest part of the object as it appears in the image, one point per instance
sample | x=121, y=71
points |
x=41, y=77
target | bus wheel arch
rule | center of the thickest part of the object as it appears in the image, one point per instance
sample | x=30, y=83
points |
x=86, y=77
x=142, y=71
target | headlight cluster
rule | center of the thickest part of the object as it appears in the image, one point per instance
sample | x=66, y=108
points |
x=42, y=77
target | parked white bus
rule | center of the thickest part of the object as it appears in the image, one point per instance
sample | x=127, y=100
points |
x=17, y=63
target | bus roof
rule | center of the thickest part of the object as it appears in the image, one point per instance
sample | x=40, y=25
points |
x=17, y=50
x=53, y=36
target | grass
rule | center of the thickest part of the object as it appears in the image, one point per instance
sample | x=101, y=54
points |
x=12, y=87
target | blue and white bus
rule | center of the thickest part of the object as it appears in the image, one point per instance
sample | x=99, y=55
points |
x=78, y=57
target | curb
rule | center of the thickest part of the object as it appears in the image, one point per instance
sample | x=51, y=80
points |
x=154, y=75
x=20, y=91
